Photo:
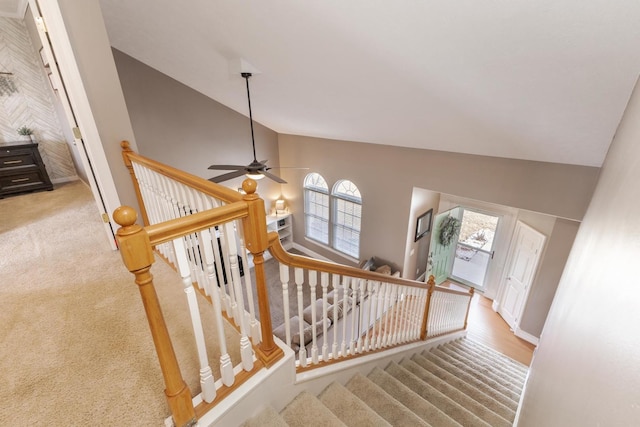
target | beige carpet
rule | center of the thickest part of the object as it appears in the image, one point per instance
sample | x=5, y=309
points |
x=461, y=383
x=76, y=348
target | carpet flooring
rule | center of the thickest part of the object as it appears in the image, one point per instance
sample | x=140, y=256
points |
x=76, y=347
x=461, y=383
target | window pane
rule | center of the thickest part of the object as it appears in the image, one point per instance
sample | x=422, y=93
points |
x=347, y=212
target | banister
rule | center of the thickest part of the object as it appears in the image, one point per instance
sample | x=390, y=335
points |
x=279, y=253
x=223, y=193
x=174, y=228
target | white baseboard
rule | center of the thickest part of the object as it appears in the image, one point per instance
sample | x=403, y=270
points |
x=526, y=336
x=309, y=252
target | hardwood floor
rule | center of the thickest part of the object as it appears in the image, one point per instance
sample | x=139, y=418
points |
x=487, y=327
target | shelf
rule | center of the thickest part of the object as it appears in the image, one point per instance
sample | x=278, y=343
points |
x=282, y=225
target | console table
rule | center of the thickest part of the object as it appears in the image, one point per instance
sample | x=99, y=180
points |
x=22, y=169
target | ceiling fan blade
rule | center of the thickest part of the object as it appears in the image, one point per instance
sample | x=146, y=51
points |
x=226, y=167
x=287, y=167
x=226, y=176
x=274, y=177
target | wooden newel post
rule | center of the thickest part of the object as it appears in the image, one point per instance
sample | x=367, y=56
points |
x=431, y=283
x=466, y=317
x=137, y=255
x=255, y=234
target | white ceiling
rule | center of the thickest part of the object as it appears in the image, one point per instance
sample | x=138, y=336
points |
x=539, y=80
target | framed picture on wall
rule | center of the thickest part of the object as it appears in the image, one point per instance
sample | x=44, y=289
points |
x=423, y=224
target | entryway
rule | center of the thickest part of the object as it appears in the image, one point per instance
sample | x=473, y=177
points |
x=463, y=245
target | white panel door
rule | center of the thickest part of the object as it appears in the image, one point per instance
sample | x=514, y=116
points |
x=525, y=254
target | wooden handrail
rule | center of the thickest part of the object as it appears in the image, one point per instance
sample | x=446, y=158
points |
x=174, y=228
x=218, y=191
x=279, y=253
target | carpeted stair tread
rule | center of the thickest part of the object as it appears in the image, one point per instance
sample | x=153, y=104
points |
x=510, y=397
x=417, y=404
x=480, y=368
x=495, y=367
x=494, y=354
x=268, y=417
x=488, y=397
x=386, y=406
x=349, y=408
x=470, y=405
x=485, y=358
x=508, y=391
x=306, y=410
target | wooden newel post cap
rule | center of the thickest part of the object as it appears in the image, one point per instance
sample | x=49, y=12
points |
x=125, y=216
x=250, y=186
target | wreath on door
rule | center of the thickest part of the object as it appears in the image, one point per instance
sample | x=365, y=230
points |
x=450, y=229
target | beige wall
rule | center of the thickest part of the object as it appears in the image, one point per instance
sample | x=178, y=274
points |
x=176, y=125
x=557, y=248
x=386, y=177
x=416, y=253
x=585, y=370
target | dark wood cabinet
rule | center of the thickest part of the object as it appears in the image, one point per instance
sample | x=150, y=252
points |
x=22, y=169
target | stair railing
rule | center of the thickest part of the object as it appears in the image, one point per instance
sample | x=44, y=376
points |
x=334, y=312
x=204, y=231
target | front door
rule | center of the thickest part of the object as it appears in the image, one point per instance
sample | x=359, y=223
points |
x=525, y=255
x=441, y=256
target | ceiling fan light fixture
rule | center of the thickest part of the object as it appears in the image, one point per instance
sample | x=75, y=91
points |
x=254, y=175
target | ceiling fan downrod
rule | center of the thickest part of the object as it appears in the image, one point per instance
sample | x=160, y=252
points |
x=253, y=140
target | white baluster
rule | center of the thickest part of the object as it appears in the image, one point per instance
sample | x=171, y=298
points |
x=302, y=353
x=206, y=376
x=371, y=304
x=284, y=279
x=354, y=316
x=226, y=367
x=336, y=288
x=251, y=317
x=361, y=327
x=324, y=282
x=225, y=270
x=313, y=282
x=246, y=353
x=345, y=311
x=377, y=313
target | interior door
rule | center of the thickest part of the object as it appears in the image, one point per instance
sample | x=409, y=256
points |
x=441, y=256
x=525, y=255
x=79, y=147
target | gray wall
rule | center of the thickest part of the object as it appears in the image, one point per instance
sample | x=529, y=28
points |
x=586, y=369
x=178, y=126
x=386, y=177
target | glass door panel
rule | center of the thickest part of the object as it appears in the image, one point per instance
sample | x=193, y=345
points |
x=474, y=249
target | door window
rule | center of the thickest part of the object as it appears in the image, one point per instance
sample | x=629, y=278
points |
x=474, y=249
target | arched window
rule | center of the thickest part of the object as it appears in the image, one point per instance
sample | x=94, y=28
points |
x=347, y=213
x=316, y=208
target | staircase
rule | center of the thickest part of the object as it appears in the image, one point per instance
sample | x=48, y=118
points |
x=461, y=383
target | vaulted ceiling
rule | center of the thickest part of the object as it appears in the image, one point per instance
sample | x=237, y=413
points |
x=543, y=80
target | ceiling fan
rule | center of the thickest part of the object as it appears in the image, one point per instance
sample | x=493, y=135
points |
x=254, y=170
